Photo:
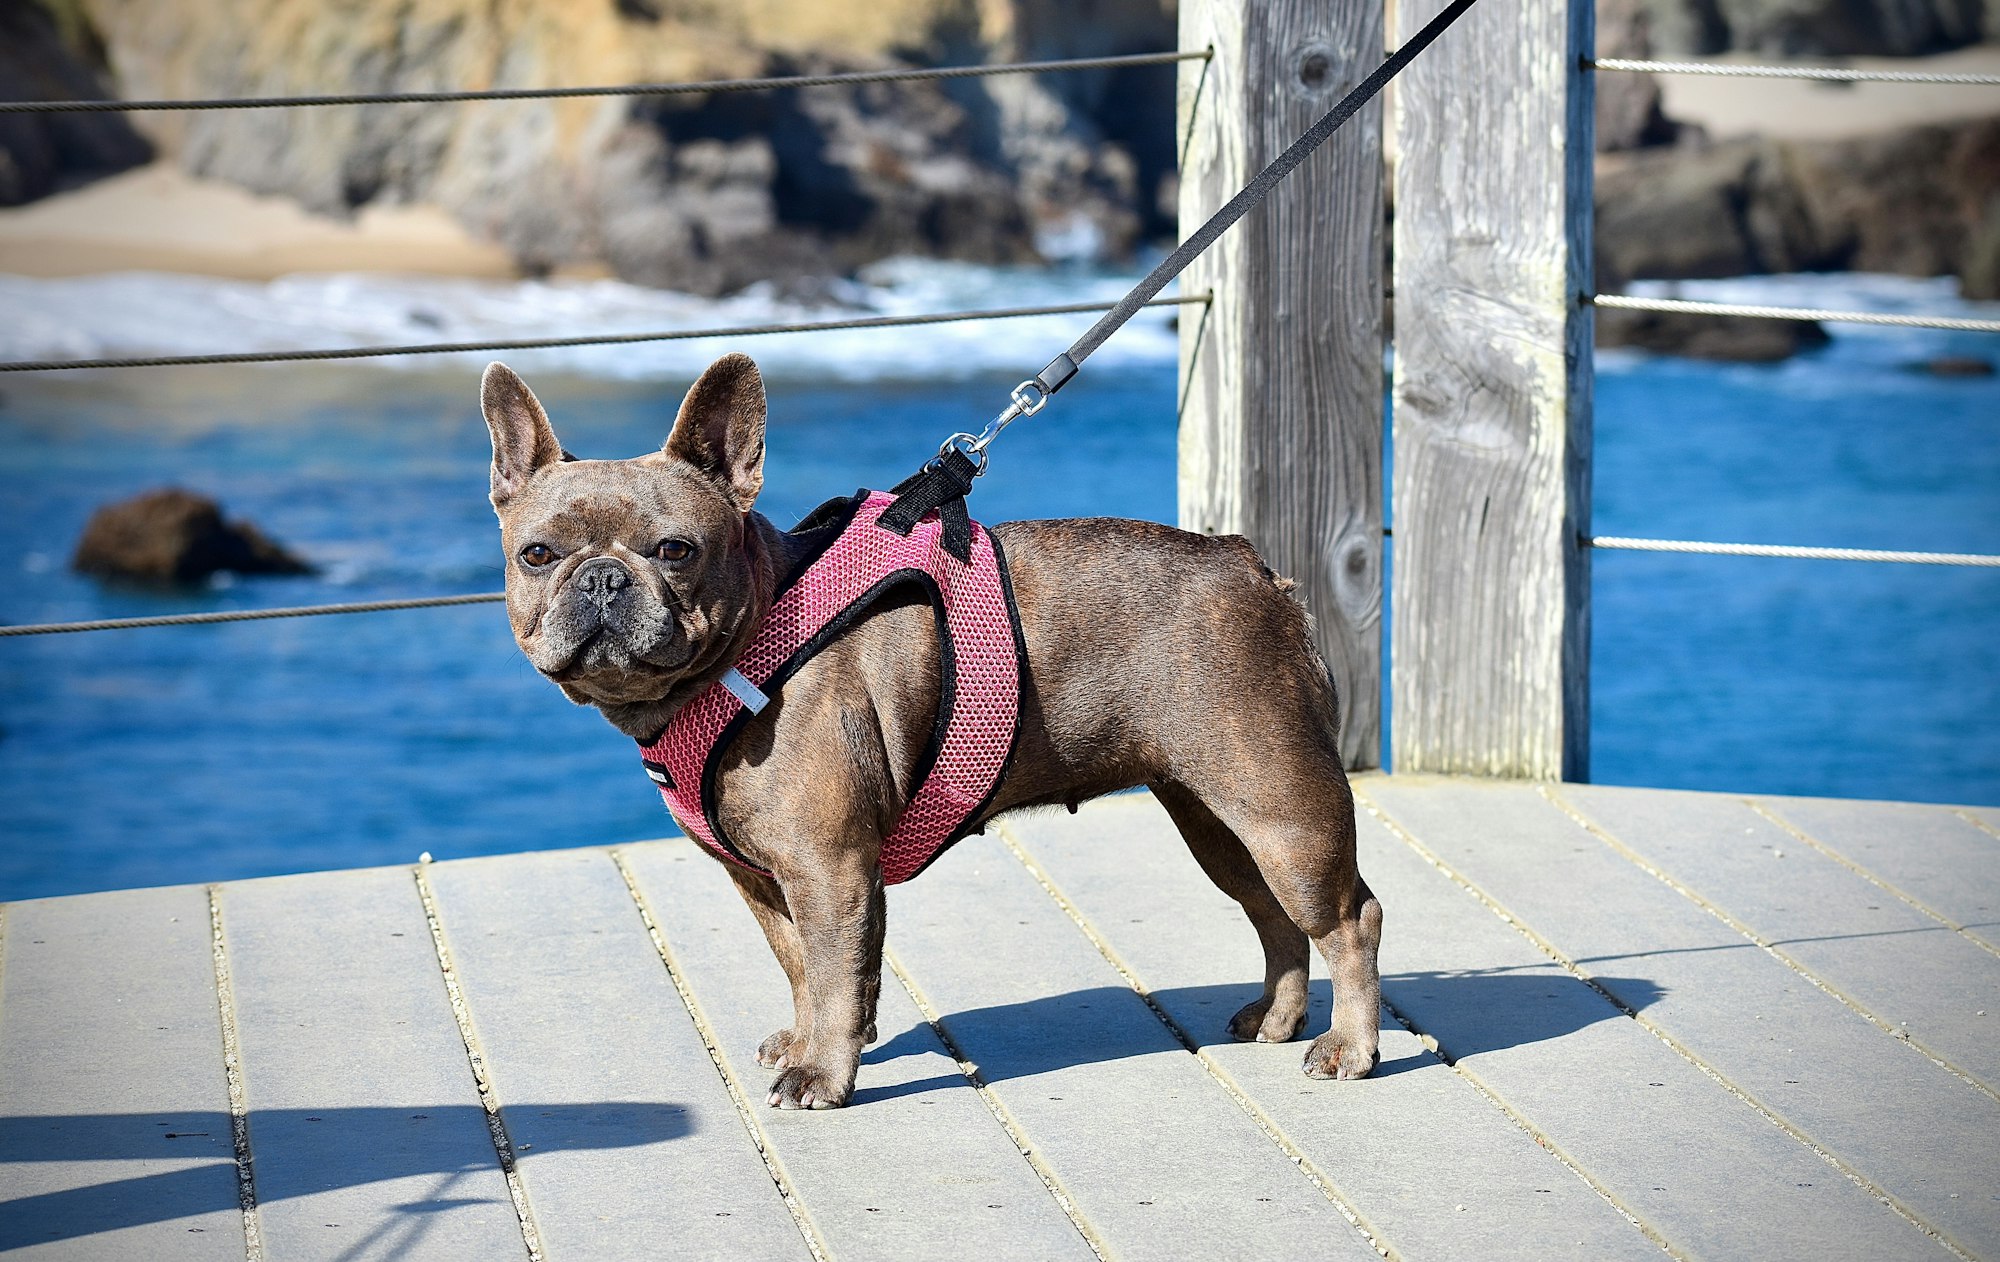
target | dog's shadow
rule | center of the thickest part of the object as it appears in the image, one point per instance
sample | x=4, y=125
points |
x=1467, y=1013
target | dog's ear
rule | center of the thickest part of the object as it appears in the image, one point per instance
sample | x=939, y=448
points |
x=720, y=429
x=523, y=439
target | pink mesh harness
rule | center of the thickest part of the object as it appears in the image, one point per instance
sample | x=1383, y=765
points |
x=978, y=713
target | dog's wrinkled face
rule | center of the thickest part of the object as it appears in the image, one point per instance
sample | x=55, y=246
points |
x=626, y=576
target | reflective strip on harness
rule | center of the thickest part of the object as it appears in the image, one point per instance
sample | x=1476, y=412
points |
x=982, y=692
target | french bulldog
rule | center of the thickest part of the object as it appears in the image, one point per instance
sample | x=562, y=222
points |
x=1154, y=657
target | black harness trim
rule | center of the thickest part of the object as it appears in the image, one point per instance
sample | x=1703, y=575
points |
x=840, y=623
x=975, y=821
x=943, y=485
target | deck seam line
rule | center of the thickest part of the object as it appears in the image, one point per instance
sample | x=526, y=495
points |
x=1757, y=939
x=1043, y=1171
x=1808, y=839
x=1304, y=1163
x=773, y=1165
x=1976, y=822
x=489, y=1100
x=1683, y=1051
x=232, y=1077
x=1540, y=1137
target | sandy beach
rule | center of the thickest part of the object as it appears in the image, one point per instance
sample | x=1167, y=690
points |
x=158, y=218
x=1802, y=109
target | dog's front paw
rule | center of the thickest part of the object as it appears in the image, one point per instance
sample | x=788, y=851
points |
x=776, y=1052
x=1261, y=1021
x=1333, y=1055
x=804, y=1087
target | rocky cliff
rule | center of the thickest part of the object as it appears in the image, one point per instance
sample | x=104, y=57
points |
x=707, y=193
x=45, y=58
x=1799, y=28
x=1923, y=201
x=698, y=193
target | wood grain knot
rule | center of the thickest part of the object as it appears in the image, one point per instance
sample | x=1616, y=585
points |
x=1315, y=68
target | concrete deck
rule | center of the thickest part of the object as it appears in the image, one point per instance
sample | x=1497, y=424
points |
x=1617, y=1023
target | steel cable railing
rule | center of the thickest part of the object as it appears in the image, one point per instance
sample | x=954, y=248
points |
x=594, y=339
x=248, y=615
x=1793, y=552
x=1686, y=307
x=1606, y=542
x=696, y=88
x=1824, y=74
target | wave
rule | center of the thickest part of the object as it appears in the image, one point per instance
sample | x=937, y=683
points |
x=149, y=313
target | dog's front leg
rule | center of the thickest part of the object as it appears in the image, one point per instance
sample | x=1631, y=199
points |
x=766, y=902
x=839, y=916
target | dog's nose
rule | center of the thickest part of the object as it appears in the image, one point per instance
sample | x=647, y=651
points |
x=601, y=579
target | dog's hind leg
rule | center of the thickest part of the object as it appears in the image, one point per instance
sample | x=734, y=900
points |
x=1277, y=1015
x=1352, y=1047
x=1297, y=825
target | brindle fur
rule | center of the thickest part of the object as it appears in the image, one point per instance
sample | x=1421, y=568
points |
x=1155, y=657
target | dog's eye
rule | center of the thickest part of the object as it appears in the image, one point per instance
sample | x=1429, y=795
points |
x=674, y=550
x=538, y=554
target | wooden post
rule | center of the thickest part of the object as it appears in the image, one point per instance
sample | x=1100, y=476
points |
x=1491, y=585
x=1281, y=424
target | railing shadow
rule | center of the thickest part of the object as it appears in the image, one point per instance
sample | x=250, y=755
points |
x=327, y=1149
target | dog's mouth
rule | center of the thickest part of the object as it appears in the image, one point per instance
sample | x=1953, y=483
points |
x=573, y=668
x=599, y=659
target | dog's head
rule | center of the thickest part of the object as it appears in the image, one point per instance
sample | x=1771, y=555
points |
x=627, y=577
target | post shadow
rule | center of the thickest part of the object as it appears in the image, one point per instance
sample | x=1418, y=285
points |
x=349, y=1146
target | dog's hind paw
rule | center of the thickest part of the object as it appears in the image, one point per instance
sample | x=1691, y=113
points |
x=1332, y=1057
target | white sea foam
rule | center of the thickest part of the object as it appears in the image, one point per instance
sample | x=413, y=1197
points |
x=146, y=313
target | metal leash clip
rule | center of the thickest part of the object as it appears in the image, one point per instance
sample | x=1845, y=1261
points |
x=1028, y=398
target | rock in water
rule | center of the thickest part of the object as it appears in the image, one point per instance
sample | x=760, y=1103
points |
x=1954, y=366
x=1740, y=339
x=176, y=536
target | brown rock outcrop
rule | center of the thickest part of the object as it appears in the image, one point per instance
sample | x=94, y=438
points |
x=1732, y=338
x=1628, y=114
x=1924, y=201
x=39, y=153
x=176, y=536
x=1808, y=28
x=700, y=193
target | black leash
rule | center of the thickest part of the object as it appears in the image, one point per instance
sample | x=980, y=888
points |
x=963, y=456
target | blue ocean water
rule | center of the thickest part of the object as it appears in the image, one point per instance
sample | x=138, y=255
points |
x=194, y=754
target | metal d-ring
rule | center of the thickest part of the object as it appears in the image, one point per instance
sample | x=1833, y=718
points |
x=972, y=446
